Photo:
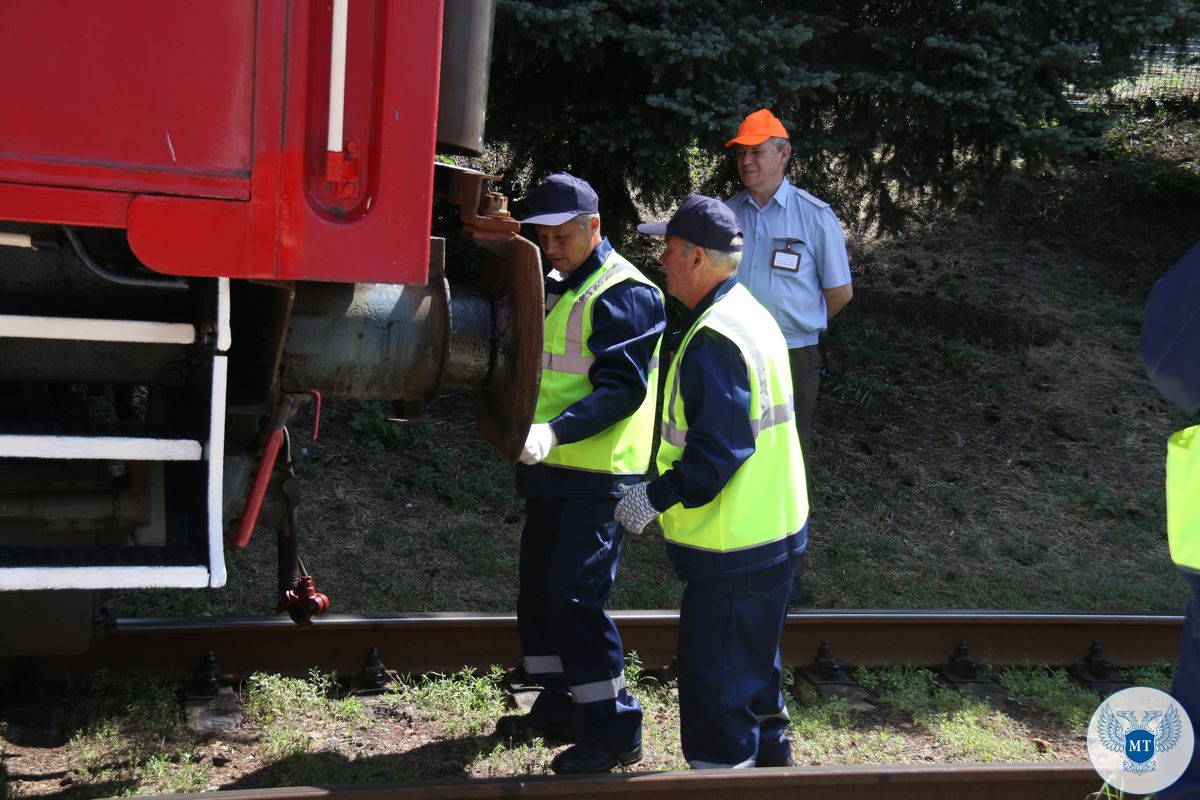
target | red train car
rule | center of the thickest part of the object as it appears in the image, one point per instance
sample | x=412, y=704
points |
x=212, y=212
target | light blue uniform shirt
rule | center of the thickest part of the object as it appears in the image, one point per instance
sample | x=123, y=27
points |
x=795, y=299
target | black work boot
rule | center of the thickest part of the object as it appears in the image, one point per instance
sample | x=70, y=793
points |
x=519, y=727
x=587, y=757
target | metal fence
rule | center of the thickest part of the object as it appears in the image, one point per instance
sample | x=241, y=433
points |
x=1163, y=74
x=1166, y=71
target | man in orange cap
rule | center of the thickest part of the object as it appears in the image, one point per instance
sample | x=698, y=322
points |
x=794, y=259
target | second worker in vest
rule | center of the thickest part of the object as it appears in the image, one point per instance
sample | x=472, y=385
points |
x=731, y=495
x=592, y=434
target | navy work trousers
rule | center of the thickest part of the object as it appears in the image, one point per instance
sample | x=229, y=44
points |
x=570, y=549
x=731, y=709
x=1187, y=690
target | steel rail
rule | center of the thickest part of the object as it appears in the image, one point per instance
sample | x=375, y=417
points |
x=1068, y=781
x=443, y=642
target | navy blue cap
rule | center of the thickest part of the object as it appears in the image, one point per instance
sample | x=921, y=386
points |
x=561, y=197
x=703, y=221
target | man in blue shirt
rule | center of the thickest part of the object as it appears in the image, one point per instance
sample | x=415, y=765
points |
x=591, y=435
x=794, y=259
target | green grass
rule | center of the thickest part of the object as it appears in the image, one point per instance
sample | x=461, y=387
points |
x=962, y=354
x=826, y=732
x=128, y=739
x=1107, y=502
x=172, y=774
x=1051, y=692
x=968, y=727
x=469, y=704
x=1157, y=676
x=863, y=390
x=369, y=421
x=973, y=730
x=904, y=688
x=287, y=708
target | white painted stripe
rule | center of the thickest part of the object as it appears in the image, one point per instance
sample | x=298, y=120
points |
x=224, y=336
x=99, y=447
x=96, y=330
x=216, y=474
x=16, y=240
x=337, y=75
x=141, y=577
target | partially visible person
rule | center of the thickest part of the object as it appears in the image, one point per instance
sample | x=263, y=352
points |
x=730, y=493
x=794, y=261
x=591, y=435
x=1170, y=343
x=1183, y=533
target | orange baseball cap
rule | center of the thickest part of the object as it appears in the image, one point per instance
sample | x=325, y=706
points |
x=757, y=128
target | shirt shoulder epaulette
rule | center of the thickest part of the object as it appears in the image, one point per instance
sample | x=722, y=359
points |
x=737, y=199
x=815, y=201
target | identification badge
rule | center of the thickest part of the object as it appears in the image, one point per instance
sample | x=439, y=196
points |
x=785, y=259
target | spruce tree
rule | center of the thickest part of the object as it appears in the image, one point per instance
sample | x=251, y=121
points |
x=887, y=100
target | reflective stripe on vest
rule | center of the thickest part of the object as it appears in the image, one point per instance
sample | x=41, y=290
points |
x=624, y=447
x=1183, y=497
x=765, y=500
x=775, y=414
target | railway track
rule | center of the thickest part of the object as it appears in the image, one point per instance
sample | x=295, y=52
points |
x=974, y=781
x=173, y=649
x=438, y=642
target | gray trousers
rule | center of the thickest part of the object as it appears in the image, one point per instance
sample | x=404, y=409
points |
x=806, y=381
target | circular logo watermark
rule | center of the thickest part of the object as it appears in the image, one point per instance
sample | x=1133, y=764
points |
x=1140, y=740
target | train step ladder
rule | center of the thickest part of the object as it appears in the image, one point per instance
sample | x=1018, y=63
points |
x=179, y=468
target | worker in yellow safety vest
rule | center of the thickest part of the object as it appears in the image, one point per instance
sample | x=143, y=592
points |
x=1170, y=346
x=592, y=433
x=731, y=495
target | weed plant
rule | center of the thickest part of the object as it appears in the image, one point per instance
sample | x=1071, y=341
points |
x=287, y=708
x=1157, y=676
x=173, y=774
x=468, y=703
x=1051, y=692
x=973, y=730
x=967, y=727
x=905, y=688
x=828, y=731
x=128, y=738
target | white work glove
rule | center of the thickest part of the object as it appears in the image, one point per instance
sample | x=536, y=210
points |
x=538, y=443
x=634, y=511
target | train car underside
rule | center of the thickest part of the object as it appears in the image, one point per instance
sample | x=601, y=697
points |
x=142, y=416
x=188, y=255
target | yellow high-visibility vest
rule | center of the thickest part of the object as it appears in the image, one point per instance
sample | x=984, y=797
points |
x=766, y=499
x=624, y=447
x=1183, y=497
